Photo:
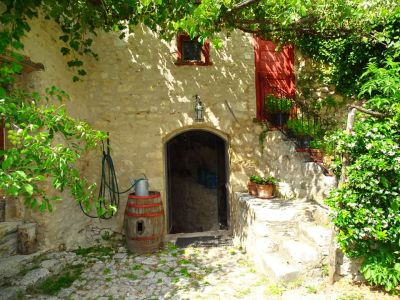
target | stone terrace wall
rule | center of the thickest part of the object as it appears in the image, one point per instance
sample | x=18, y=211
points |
x=137, y=93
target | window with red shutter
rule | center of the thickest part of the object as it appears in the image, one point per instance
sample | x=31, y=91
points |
x=192, y=52
x=274, y=73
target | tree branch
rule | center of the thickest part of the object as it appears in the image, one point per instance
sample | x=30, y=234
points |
x=243, y=5
x=368, y=111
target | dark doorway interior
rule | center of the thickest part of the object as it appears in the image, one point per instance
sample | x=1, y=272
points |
x=197, y=197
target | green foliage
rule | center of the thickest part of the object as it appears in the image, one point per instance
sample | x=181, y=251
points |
x=255, y=178
x=53, y=284
x=95, y=251
x=317, y=144
x=263, y=180
x=305, y=127
x=46, y=144
x=281, y=104
x=367, y=207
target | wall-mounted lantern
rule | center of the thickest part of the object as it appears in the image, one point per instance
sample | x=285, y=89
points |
x=198, y=109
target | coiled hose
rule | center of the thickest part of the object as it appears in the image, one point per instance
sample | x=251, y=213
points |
x=109, y=190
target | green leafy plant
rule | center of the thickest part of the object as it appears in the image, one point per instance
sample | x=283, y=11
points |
x=255, y=178
x=304, y=127
x=268, y=180
x=317, y=144
x=278, y=104
x=367, y=206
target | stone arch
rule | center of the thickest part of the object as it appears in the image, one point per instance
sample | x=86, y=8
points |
x=196, y=168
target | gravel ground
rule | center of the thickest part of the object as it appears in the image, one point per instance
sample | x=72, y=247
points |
x=201, y=272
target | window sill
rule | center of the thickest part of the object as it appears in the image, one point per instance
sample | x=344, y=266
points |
x=193, y=63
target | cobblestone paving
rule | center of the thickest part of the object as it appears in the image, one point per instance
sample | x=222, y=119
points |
x=218, y=272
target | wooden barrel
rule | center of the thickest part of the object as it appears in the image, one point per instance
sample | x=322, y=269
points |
x=144, y=223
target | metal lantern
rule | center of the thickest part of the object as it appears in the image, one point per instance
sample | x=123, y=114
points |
x=198, y=109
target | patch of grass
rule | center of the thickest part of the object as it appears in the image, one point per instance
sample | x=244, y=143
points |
x=106, y=271
x=108, y=279
x=232, y=251
x=311, y=289
x=184, y=261
x=276, y=289
x=137, y=267
x=95, y=251
x=131, y=276
x=171, y=246
x=53, y=284
x=185, y=273
x=325, y=270
x=20, y=295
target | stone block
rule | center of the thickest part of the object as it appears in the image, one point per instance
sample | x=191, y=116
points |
x=318, y=235
x=8, y=228
x=300, y=252
x=27, y=242
x=35, y=276
x=8, y=245
x=279, y=269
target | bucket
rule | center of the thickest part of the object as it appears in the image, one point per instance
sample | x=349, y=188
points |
x=144, y=223
x=142, y=187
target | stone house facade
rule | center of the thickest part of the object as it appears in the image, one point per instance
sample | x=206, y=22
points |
x=145, y=100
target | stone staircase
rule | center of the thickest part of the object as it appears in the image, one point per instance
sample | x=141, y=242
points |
x=286, y=239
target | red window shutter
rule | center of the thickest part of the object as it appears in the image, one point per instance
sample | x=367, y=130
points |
x=274, y=72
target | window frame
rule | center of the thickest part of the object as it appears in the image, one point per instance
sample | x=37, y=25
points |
x=205, y=52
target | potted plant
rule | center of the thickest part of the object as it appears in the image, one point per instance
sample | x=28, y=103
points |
x=252, y=184
x=300, y=129
x=304, y=131
x=266, y=187
x=316, y=150
x=278, y=109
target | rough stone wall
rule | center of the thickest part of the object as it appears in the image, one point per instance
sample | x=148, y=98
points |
x=137, y=94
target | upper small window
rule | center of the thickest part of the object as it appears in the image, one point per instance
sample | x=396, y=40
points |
x=192, y=52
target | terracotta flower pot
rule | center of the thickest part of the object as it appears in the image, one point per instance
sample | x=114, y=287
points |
x=265, y=190
x=317, y=155
x=252, y=187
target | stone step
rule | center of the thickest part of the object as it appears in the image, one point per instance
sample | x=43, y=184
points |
x=262, y=245
x=318, y=235
x=277, y=210
x=8, y=245
x=300, y=252
x=7, y=228
x=279, y=269
x=274, y=229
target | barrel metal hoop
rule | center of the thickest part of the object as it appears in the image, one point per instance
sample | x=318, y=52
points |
x=134, y=205
x=151, y=196
x=144, y=215
x=146, y=238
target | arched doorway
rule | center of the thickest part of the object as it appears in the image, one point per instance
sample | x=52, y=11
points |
x=196, y=182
